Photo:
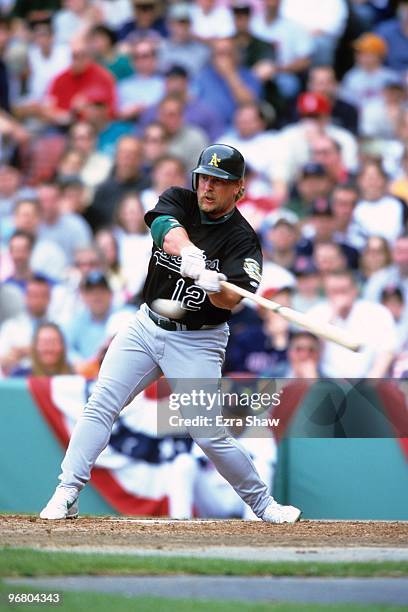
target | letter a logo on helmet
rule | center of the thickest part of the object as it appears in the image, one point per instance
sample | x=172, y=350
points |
x=220, y=160
x=214, y=160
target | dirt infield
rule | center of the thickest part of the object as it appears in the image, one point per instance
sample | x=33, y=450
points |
x=161, y=534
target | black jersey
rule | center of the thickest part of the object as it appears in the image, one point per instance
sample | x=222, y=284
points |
x=230, y=245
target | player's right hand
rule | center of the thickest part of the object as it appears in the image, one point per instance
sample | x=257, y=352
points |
x=192, y=261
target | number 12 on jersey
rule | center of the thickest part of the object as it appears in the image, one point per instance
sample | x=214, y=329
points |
x=191, y=297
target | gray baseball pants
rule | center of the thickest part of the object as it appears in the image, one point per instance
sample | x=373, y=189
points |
x=136, y=358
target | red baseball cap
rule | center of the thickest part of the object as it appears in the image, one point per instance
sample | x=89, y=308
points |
x=311, y=103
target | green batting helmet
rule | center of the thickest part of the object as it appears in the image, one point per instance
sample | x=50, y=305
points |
x=219, y=160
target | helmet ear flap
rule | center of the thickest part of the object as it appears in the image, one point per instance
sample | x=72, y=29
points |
x=194, y=181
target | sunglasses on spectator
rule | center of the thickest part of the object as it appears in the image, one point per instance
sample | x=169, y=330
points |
x=144, y=7
x=86, y=262
x=153, y=139
x=241, y=10
x=146, y=55
x=321, y=151
x=306, y=348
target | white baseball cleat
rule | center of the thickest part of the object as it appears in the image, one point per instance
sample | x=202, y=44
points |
x=62, y=505
x=275, y=513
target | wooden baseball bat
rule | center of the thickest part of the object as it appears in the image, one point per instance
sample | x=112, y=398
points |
x=324, y=330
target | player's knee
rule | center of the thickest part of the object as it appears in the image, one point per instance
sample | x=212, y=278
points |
x=209, y=445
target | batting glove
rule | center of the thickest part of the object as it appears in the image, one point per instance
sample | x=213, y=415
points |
x=192, y=261
x=209, y=280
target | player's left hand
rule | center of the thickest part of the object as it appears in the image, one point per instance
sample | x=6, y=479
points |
x=209, y=280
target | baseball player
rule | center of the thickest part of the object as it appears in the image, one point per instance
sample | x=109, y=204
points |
x=200, y=239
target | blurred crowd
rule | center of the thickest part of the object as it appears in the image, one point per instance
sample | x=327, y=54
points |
x=104, y=104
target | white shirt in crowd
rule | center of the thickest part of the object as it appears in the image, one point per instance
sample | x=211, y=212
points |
x=44, y=69
x=261, y=151
x=292, y=42
x=328, y=16
x=217, y=23
x=371, y=323
x=383, y=217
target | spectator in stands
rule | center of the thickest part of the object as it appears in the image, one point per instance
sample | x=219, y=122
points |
x=11, y=302
x=392, y=297
x=69, y=165
x=366, y=79
x=74, y=196
x=147, y=17
x=115, y=13
x=322, y=80
x=307, y=292
x=109, y=132
x=375, y=256
x=86, y=332
x=75, y=17
x=4, y=75
x=183, y=140
x=372, y=12
x=395, y=34
x=370, y=322
x=262, y=347
x=296, y=141
x=399, y=186
x=320, y=228
x=196, y=112
x=392, y=151
x=14, y=139
x=328, y=257
x=257, y=54
x=154, y=145
x=10, y=189
x=254, y=52
x=327, y=151
x=303, y=358
x=96, y=165
x=324, y=20
x=181, y=48
x=293, y=44
x=313, y=183
x=16, y=333
x=126, y=177
x=210, y=20
x=223, y=84
x=48, y=356
x=279, y=236
x=343, y=202
x=48, y=258
x=146, y=86
x=20, y=248
x=70, y=91
x=68, y=230
x=168, y=171
x=377, y=212
x=396, y=274
x=46, y=58
x=102, y=43
x=134, y=241
x=106, y=242
x=380, y=118
x=66, y=297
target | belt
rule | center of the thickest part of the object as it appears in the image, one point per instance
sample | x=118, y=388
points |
x=170, y=325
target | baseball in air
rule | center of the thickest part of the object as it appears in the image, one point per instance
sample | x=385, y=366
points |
x=168, y=308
